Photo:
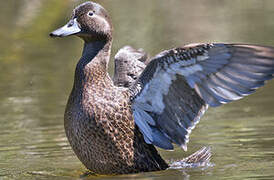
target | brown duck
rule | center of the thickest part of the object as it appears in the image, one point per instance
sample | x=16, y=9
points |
x=113, y=129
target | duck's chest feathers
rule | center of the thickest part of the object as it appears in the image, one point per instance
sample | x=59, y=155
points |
x=106, y=104
x=99, y=125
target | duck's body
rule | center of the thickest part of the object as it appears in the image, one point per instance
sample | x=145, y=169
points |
x=99, y=123
x=112, y=129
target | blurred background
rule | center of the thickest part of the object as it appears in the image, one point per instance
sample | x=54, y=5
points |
x=36, y=76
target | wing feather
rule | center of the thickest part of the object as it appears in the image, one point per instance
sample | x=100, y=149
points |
x=129, y=64
x=176, y=87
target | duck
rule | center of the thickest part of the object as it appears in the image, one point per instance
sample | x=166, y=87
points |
x=115, y=126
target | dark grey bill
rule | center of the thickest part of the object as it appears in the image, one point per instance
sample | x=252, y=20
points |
x=70, y=28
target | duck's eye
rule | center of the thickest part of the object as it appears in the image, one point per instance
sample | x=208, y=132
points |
x=90, y=13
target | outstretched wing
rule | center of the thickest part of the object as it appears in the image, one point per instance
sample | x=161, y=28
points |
x=177, y=86
x=129, y=64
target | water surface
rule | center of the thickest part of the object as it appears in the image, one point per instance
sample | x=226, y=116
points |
x=36, y=75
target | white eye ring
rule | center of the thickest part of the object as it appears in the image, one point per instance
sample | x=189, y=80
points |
x=90, y=13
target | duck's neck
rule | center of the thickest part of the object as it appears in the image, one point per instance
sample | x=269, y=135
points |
x=93, y=65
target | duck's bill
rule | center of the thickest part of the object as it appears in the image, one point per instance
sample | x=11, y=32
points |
x=69, y=29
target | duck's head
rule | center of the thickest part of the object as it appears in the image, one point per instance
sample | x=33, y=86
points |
x=89, y=21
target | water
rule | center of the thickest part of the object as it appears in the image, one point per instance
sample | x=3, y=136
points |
x=36, y=75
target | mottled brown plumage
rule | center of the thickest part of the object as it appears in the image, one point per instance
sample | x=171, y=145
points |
x=113, y=130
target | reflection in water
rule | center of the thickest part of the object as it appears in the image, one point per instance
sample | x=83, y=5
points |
x=36, y=76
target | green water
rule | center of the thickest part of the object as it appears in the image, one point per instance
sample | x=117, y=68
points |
x=36, y=75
